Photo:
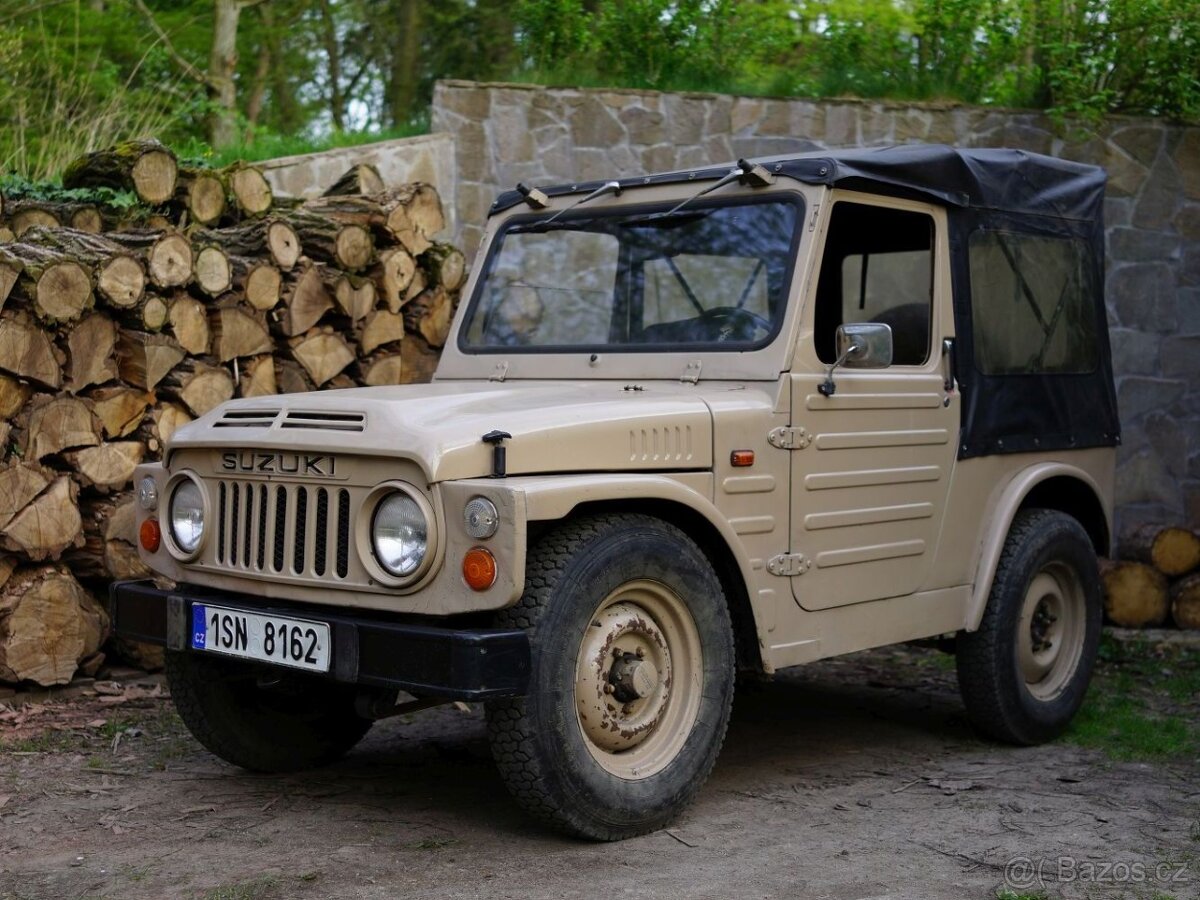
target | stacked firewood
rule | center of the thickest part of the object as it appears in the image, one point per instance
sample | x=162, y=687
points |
x=118, y=325
x=1158, y=577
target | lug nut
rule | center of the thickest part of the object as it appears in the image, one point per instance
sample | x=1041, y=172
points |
x=618, y=652
x=641, y=652
x=608, y=688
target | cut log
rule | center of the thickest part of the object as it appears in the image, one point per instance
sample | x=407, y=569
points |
x=48, y=525
x=167, y=254
x=120, y=409
x=381, y=327
x=446, y=266
x=420, y=360
x=201, y=388
x=120, y=276
x=265, y=237
x=20, y=483
x=1185, y=602
x=167, y=418
x=6, y=235
x=360, y=179
x=151, y=313
x=202, y=193
x=238, y=331
x=260, y=282
x=258, y=377
x=249, y=187
x=147, y=168
x=54, y=424
x=26, y=350
x=305, y=299
x=55, y=286
x=143, y=359
x=418, y=284
x=414, y=215
x=189, y=325
x=355, y=295
x=211, y=270
x=291, y=377
x=90, y=352
x=1173, y=551
x=430, y=315
x=382, y=368
x=1135, y=594
x=346, y=246
x=322, y=352
x=26, y=214
x=48, y=625
x=13, y=395
x=393, y=275
x=108, y=466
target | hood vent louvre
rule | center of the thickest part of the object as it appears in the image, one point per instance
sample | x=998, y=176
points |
x=247, y=418
x=326, y=421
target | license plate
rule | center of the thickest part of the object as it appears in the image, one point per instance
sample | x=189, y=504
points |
x=273, y=639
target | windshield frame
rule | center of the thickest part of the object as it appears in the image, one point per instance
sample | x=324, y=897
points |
x=633, y=210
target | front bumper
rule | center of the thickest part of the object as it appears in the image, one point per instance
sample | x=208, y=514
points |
x=425, y=660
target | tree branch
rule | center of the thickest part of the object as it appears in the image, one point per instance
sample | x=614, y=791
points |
x=188, y=68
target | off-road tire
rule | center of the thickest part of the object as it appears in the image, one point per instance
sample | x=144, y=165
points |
x=299, y=722
x=538, y=740
x=999, y=701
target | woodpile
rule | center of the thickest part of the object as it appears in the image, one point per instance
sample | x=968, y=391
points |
x=120, y=322
x=1156, y=580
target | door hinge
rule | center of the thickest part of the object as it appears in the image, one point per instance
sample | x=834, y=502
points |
x=691, y=372
x=500, y=372
x=789, y=437
x=788, y=564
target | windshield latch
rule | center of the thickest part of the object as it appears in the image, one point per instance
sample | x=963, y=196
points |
x=691, y=372
x=500, y=372
x=535, y=198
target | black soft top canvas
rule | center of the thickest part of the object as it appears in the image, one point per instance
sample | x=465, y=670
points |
x=1004, y=190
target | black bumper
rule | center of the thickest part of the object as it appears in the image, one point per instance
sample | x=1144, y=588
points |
x=425, y=660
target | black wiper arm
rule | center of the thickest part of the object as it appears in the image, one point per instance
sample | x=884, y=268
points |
x=609, y=187
x=755, y=174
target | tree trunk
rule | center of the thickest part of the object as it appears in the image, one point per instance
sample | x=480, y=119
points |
x=1135, y=594
x=147, y=168
x=166, y=418
x=20, y=483
x=382, y=368
x=167, y=254
x=355, y=295
x=258, y=377
x=393, y=276
x=1173, y=551
x=222, y=70
x=48, y=625
x=430, y=314
x=333, y=59
x=381, y=327
x=260, y=282
x=446, y=266
x=403, y=83
x=1185, y=601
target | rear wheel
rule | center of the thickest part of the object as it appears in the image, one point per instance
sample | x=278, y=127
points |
x=631, y=680
x=1024, y=673
x=260, y=719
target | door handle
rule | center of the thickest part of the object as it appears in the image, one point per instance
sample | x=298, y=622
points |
x=948, y=365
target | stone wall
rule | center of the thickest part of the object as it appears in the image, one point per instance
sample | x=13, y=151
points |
x=429, y=157
x=507, y=133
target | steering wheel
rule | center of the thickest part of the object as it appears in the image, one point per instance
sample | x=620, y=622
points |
x=734, y=323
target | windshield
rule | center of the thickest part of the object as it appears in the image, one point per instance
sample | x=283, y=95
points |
x=711, y=276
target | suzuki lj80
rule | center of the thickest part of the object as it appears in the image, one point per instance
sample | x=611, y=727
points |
x=686, y=425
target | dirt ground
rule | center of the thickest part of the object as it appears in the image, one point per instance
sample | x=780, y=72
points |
x=853, y=778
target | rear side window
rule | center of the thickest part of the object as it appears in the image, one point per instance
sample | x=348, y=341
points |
x=1031, y=304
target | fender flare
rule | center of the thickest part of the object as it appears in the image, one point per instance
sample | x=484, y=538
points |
x=1004, y=510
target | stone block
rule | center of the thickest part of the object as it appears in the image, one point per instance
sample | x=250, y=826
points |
x=1134, y=352
x=1140, y=245
x=913, y=126
x=1138, y=395
x=556, y=160
x=1187, y=221
x=718, y=149
x=659, y=158
x=1145, y=479
x=1144, y=296
x=877, y=124
x=685, y=118
x=718, y=121
x=591, y=164
x=474, y=201
x=595, y=125
x=808, y=120
x=750, y=147
x=841, y=125
x=1161, y=196
x=1117, y=211
x=643, y=126
x=1166, y=435
x=745, y=114
x=1181, y=358
x=693, y=158
x=945, y=127
x=777, y=118
x=1188, y=308
x=1189, y=266
x=1027, y=137
x=469, y=102
x=474, y=153
x=1142, y=142
x=1187, y=157
x=511, y=137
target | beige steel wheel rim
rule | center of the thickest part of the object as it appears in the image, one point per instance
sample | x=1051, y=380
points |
x=1051, y=630
x=639, y=677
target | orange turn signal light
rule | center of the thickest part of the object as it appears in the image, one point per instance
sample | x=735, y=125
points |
x=150, y=535
x=741, y=458
x=479, y=569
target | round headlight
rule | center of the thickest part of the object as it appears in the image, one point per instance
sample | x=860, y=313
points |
x=187, y=516
x=400, y=534
x=480, y=518
x=147, y=493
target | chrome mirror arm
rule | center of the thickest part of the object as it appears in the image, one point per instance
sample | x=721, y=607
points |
x=856, y=348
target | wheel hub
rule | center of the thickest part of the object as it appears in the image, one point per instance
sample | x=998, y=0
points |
x=1051, y=632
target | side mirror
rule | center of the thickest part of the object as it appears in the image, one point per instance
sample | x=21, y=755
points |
x=860, y=345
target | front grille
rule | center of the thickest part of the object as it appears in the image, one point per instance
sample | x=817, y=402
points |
x=286, y=527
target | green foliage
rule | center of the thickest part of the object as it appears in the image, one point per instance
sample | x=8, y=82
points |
x=17, y=187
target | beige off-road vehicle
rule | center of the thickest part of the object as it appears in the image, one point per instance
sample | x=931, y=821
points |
x=686, y=425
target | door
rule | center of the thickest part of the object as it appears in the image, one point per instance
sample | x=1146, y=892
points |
x=871, y=462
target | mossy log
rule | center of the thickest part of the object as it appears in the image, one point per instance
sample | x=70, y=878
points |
x=147, y=168
x=119, y=272
x=202, y=193
x=249, y=188
x=347, y=246
x=446, y=266
x=51, y=283
x=261, y=238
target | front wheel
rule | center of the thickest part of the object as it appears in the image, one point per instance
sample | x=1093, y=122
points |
x=631, y=681
x=1024, y=673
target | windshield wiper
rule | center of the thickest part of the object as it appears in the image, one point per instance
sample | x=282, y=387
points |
x=609, y=187
x=755, y=175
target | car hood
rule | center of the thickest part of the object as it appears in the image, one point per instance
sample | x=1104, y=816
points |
x=555, y=426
